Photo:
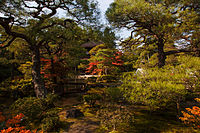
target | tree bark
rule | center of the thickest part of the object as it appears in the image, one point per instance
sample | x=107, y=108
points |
x=37, y=80
x=161, y=53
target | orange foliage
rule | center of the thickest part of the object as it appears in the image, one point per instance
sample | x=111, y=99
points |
x=192, y=116
x=14, y=121
x=13, y=125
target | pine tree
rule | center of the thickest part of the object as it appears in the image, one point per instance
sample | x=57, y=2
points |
x=160, y=23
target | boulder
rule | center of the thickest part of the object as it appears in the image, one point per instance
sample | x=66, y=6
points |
x=74, y=113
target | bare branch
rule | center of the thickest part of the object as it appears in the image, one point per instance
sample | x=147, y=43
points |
x=179, y=51
x=5, y=40
x=4, y=22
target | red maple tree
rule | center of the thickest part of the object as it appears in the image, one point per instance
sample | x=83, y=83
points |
x=111, y=61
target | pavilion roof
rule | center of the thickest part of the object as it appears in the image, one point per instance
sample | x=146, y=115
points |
x=90, y=44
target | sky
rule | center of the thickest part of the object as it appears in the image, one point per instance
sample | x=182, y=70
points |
x=103, y=5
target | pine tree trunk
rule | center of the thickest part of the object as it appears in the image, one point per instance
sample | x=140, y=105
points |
x=161, y=53
x=38, y=82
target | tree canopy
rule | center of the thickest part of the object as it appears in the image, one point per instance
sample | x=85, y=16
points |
x=158, y=22
x=37, y=23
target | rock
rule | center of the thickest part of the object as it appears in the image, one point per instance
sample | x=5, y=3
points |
x=74, y=113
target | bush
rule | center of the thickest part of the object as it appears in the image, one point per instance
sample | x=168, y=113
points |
x=116, y=117
x=192, y=116
x=50, y=99
x=93, y=96
x=155, y=88
x=18, y=88
x=38, y=112
x=14, y=125
x=91, y=99
x=31, y=107
x=50, y=121
x=107, y=78
x=22, y=88
x=113, y=94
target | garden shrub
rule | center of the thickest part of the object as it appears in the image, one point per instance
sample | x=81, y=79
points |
x=50, y=120
x=115, y=117
x=22, y=88
x=31, y=107
x=38, y=112
x=14, y=125
x=91, y=99
x=93, y=95
x=107, y=78
x=18, y=88
x=50, y=99
x=113, y=94
x=26, y=69
x=157, y=87
x=192, y=116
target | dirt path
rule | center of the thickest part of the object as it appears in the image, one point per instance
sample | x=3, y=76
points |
x=86, y=124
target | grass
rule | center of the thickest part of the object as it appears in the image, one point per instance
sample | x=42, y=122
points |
x=163, y=121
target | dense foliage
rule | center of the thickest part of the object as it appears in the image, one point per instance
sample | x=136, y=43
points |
x=161, y=87
x=163, y=24
x=57, y=58
x=14, y=125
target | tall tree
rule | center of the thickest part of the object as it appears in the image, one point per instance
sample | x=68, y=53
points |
x=160, y=23
x=32, y=20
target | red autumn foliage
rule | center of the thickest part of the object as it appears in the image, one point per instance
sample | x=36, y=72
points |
x=13, y=125
x=15, y=120
x=114, y=60
x=48, y=72
x=46, y=68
